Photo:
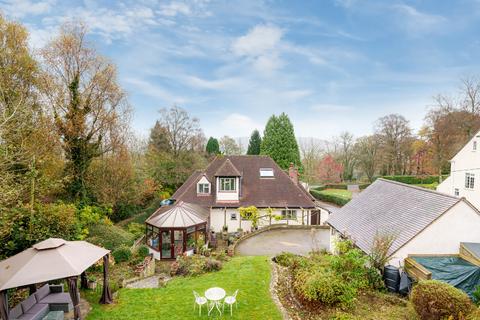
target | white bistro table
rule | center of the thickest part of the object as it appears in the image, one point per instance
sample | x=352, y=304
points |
x=215, y=296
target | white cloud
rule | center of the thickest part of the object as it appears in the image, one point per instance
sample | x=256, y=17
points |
x=261, y=47
x=22, y=8
x=416, y=22
x=331, y=108
x=151, y=90
x=174, y=8
x=211, y=84
x=239, y=125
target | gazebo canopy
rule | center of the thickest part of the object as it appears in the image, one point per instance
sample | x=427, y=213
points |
x=180, y=215
x=48, y=260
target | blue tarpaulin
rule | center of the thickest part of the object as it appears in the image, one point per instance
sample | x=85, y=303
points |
x=453, y=270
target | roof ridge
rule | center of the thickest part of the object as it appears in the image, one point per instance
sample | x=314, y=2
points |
x=420, y=188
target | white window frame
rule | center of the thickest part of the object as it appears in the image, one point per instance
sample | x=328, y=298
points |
x=231, y=186
x=233, y=216
x=469, y=180
x=474, y=146
x=289, y=214
x=202, y=186
x=456, y=191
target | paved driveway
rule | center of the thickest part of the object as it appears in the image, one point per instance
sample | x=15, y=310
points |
x=273, y=242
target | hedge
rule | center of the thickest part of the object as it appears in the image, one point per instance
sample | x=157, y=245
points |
x=110, y=236
x=329, y=198
x=414, y=179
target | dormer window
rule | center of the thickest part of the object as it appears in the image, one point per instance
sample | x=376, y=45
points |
x=266, y=173
x=203, y=188
x=227, y=185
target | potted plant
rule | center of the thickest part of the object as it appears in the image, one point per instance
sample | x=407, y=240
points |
x=92, y=282
x=225, y=232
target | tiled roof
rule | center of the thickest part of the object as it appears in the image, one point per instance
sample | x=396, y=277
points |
x=389, y=207
x=227, y=169
x=277, y=192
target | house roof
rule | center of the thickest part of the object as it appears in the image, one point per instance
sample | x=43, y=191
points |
x=277, y=192
x=179, y=215
x=227, y=169
x=390, y=207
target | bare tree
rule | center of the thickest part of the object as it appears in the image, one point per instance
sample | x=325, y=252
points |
x=311, y=151
x=228, y=146
x=396, y=137
x=470, y=91
x=182, y=130
x=346, y=154
x=366, y=152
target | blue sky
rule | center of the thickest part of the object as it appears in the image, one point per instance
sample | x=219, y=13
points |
x=331, y=65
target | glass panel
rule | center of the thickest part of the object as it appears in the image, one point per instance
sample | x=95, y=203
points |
x=190, y=241
x=178, y=242
x=227, y=184
x=166, y=244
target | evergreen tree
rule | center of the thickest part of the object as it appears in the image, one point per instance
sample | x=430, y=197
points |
x=158, y=138
x=279, y=142
x=212, y=146
x=255, y=143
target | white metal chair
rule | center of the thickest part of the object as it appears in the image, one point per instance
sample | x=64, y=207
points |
x=231, y=300
x=200, y=301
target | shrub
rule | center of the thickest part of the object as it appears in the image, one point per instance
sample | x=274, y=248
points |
x=212, y=265
x=143, y=251
x=326, y=288
x=194, y=265
x=435, y=300
x=329, y=198
x=137, y=229
x=476, y=296
x=109, y=236
x=122, y=254
x=285, y=259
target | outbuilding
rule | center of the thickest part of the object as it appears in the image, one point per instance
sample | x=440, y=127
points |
x=421, y=221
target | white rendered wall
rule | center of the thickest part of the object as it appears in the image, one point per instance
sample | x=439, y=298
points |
x=466, y=160
x=460, y=224
x=217, y=219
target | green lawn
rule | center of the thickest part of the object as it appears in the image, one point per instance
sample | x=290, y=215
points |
x=251, y=275
x=344, y=194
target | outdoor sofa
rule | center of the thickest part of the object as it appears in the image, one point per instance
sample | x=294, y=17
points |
x=38, y=305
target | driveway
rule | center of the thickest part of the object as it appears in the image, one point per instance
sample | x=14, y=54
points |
x=273, y=242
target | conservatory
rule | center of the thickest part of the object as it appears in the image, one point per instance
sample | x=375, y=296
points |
x=173, y=230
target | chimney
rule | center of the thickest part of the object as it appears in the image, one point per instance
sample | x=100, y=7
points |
x=293, y=173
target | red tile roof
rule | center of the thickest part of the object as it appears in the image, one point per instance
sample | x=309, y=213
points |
x=277, y=192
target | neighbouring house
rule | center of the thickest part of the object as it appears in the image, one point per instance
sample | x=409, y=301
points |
x=210, y=199
x=421, y=221
x=464, y=168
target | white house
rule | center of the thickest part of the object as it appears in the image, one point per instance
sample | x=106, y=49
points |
x=465, y=173
x=421, y=221
x=228, y=183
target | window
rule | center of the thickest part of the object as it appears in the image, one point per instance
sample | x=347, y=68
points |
x=289, y=214
x=266, y=173
x=227, y=184
x=469, y=180
x=457, y=192
x=203, y=188
x=474, y=145
x=233, y=216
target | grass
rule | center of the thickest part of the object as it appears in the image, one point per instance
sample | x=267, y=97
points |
x=341, y=193
x=431, y=186
x=251, y=275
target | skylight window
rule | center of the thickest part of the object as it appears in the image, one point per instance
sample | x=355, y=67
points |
x=266, y=173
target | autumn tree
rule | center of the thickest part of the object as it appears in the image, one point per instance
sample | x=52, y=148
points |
x=329, y=170
x=255, y=143
x=311, y=151
x=367, y=155
x=213, y=146
x=395, y=136
x=279, y=142
x=88, y=105
x=158, y=138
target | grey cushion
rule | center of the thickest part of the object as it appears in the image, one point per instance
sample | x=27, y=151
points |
x=28, y=303
x=38, y=309
x=16, y=312
x=56, y=288
x=63, y=297
x=42, y=292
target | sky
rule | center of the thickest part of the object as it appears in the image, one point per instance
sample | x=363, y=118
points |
x=331, y=65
